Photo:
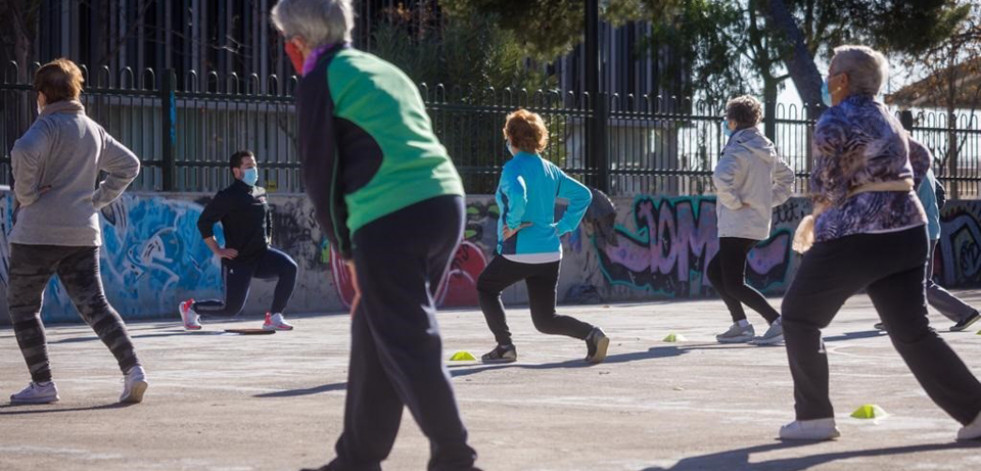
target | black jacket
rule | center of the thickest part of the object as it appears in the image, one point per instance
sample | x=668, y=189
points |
x=245, y=220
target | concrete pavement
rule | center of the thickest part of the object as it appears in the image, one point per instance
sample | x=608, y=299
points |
x=229, y=402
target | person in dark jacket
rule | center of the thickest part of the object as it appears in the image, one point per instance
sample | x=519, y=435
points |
x=391, y=202
x=246, y=221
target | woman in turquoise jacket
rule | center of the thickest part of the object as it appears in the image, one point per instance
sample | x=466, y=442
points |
x=528, y=245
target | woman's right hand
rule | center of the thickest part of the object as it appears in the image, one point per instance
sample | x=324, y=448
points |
x=508, y=233
x=227, y=253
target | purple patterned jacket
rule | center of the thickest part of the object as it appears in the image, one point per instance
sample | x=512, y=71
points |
x=859, y=142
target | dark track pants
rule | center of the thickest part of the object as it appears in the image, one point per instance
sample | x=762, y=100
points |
x=396, y=350
x=890, y=267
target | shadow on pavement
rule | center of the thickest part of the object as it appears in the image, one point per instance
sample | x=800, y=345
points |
x=305, y=391
x=739, y=459
x=21, y=409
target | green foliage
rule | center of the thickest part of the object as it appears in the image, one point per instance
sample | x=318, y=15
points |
x=465, y=54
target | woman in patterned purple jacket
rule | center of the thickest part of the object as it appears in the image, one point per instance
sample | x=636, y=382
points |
x=869, y=233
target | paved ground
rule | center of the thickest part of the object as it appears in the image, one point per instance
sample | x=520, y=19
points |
x=226, y=402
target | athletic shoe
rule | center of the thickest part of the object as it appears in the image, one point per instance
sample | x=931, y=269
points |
x=879, y=326
x=971, y=431
x=964, y=324
x=36, y=393
x=817, y=429
x=737, y=334
x=596, y=345
x=191, y=319
x=134, y=385
x=501, y=354
x=773, y=335
x=276, y=322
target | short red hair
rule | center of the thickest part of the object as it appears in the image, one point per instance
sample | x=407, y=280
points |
x=526, y=131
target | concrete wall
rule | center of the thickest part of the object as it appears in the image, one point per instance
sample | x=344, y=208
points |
x=658, y=248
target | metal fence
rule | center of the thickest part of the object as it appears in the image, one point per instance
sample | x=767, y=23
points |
x=184, y=133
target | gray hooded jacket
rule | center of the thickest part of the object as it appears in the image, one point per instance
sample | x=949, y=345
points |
x=750, y=180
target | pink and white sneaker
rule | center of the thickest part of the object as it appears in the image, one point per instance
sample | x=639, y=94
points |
x=276, y=322
x=190, y=318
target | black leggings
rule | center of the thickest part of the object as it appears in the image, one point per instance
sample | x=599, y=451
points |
x=238, y=278
x=727, y=272
x=541, y=280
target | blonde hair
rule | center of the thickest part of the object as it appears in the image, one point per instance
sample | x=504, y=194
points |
x=526, y=131
x=59, y=80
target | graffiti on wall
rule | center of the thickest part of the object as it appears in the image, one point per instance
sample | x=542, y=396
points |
x=958, y=261
x=667, y=251
x=151, y=258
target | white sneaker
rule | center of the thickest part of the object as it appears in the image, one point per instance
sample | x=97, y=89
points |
x=737, y=334
x=817, y=429
x=36, y=393
x=971, y=431
x=134, y=385
x=276, y=322
x=190, y=318
x=773, y=335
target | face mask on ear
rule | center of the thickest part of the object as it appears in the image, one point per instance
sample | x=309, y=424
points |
x=296, y=57
x=826, y=94
x=507, y=147
x=250, y=176
x=725, y=128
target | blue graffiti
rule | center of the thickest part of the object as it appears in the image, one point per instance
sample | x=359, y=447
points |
x=152, y=257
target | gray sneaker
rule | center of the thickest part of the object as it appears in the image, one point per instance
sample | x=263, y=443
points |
x=737, y=334
x=36, y=393
x=773, y=335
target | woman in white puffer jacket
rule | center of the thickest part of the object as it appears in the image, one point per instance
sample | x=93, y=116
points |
x=750, y=180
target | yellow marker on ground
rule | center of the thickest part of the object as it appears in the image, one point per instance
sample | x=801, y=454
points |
x=673, y=337
x=462, y=355
x=869, y=411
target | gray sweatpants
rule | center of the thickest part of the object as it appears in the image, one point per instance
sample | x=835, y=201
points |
x=31, y=267
x=940, y=299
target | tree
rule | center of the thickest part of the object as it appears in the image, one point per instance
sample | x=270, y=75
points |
x=777, y=39
x=18, y=28
x=953, y=83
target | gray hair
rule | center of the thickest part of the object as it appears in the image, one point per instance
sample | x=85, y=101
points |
x=318, y=22
x=867, y=69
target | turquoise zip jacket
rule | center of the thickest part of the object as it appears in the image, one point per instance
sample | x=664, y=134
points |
x=526, y=194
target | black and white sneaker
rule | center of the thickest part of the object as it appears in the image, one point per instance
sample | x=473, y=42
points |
x=501, y=354
x=596, y=345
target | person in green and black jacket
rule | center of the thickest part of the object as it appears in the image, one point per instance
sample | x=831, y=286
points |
x=392, y=204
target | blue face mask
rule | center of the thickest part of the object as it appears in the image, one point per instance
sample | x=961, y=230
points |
x=826, y=94
x=725, y=128
x=250, y=176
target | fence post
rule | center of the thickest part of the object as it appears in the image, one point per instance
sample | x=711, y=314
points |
x=906, y=119
x=598, y=121
x=169, y=106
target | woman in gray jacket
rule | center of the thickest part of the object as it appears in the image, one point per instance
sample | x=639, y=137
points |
x=750, y=180
x=56, y=166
